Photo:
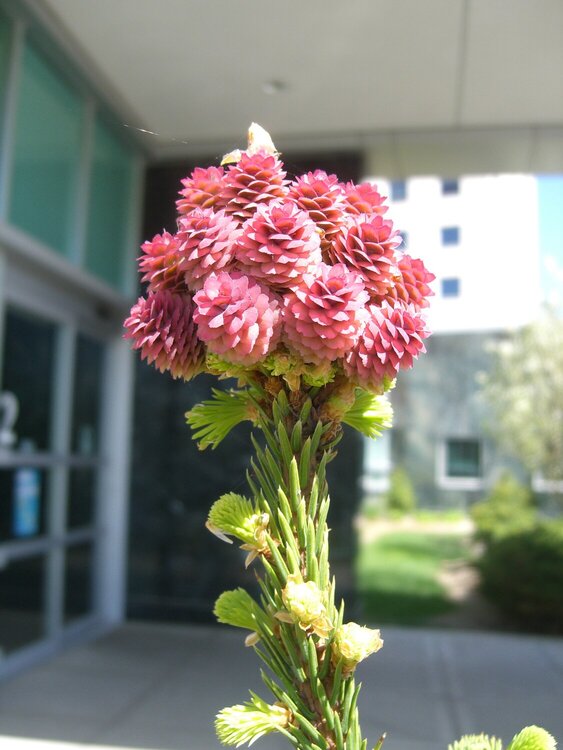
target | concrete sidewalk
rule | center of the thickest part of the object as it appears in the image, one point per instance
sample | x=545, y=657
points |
x=159, y=687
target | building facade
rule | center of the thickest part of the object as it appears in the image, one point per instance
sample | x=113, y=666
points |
x=479, y=236
x=70, y=201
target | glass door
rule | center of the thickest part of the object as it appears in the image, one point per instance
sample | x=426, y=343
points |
x=50, y=409
x=81, y=521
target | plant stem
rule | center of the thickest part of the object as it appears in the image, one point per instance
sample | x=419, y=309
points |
x=299, y=443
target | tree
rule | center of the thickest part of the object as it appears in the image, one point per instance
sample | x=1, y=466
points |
x=524, y=394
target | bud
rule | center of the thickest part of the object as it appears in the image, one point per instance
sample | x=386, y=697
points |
x=212, y=420
x=370, y=414
x=292, y=368
x=353, y=643
x=236, y=516
x=533, y=738
x=304, y=602
x=247, y=723
x=339, y=402
x=232, y=157
x=260, y=140
x=236, y=608
x=476, y=742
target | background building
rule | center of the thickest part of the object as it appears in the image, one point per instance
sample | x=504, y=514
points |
x=479, y=235
x=70, y=202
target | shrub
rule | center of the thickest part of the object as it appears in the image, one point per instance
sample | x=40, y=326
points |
x=522, y=572
x=508, y=509
x=400, y=497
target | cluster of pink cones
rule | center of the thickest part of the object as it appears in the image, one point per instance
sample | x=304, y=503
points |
x=264, y=268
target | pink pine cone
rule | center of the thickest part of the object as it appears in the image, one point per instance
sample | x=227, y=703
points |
x=392, y=339
x=202, y=189
x=160, y=264
x=237, y=318
x=207, y=243
x=322, y=196
x=324, y=317
x=163, y=328
x=255, y=179
x=415, y=280
x=411, y=286
x=368, y=246
x=278, y=245
x=363, y=199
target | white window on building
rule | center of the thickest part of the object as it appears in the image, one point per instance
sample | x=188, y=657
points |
x=460, y=463
x=450, y=236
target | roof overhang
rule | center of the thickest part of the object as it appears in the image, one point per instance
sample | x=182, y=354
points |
x=437, y=86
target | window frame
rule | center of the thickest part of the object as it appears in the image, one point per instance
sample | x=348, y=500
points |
x=447, y=482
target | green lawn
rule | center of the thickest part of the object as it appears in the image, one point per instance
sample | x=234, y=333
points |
x=397, y=576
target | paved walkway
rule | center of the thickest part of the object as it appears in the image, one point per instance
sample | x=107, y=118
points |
x=159, y=687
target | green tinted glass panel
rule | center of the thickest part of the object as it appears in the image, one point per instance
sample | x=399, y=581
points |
x=109, y=206
x=23, y=603
x=79, y=579
x=81, y=505
x=46, y=153
x=464, y=458
x=5, y=37
x=28, y=373
x=88, y=370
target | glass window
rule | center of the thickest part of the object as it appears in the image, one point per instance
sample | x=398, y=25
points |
x=23, y=493
x=28, y=373
x=450, y=236
x=377, y=465
x=81, y=498
x=398, y=190
x=463, y=458
x=46, y=154
x=22, y=596
x=5, y=39
x=87, y=393
x=450, y=287
x=450, y=187
x=79, y=570
x=110, y=192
